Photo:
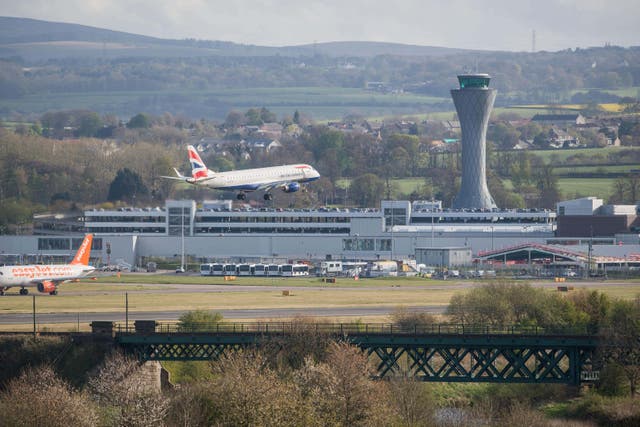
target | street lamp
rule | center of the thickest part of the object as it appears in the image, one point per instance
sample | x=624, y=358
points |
x=492, y=237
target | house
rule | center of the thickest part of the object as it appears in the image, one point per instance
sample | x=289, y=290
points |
x=522, y=145
x=557, y=138
x=262, y=144
x=560, y=119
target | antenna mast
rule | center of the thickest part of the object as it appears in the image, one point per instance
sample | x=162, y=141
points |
x=533, y=41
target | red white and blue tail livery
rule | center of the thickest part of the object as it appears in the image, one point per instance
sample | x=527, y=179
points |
x=287, y=177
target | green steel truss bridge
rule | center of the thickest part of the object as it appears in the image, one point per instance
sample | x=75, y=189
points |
x=445, y=353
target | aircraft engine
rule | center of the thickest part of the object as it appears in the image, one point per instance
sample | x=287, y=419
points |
x=46, y=287
x=291, y=187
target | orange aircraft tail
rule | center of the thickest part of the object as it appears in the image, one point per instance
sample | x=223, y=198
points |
x=82, y=256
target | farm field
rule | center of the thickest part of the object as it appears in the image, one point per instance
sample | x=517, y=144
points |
x=560, y=156
x=320, y=103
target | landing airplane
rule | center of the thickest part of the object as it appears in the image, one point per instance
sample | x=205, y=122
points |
x=288, y=177
x=46, y=278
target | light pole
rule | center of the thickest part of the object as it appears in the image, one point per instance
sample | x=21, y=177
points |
x=182, y=240
x=492, y=237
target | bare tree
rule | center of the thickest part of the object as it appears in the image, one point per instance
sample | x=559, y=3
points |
x=340, y=391
x=413, y=403
x=246, y=392
x=118, y=386
x=39, y=397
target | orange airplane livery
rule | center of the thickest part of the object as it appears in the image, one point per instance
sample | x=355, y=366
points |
x=46, y=278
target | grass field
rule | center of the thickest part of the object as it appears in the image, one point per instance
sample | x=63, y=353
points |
x=320, y=102
x=598, y=187
x=307, y=292
x=560, y=170
x=560, y=156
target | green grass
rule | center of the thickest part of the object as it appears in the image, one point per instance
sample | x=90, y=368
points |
x=560, y=156
x=598, y=187
x=319, y=102
x=560, y=170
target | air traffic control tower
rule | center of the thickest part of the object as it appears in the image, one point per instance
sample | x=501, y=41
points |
x=474, y=101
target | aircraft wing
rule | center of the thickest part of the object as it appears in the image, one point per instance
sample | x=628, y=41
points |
x=268, y=186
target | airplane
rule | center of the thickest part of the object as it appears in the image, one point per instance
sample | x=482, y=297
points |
x=46, y=278
x=288, y=177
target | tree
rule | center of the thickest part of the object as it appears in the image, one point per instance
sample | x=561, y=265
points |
x=247, y=392
x=548, y=186
x=253, y=117
x=139, y=121
x=118, y=387
x=235, y=119
x=199, y=320
x=38, y=397
x=340, y=391
x=89, y=124
x=505, y=303
x=366, y=190
x=127, y=185
x=267, y=116
x=622, y=340
x=408, y=321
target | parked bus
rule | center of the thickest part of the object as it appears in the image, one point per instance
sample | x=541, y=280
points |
x=273, y=270
x=245, y=270
x=216, y=269
x=259, y=270
x=205, y=269
x=229, y=270
x=286, y=270
x=300, y=270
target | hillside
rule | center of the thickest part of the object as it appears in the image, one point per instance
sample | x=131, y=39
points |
x=34, y=40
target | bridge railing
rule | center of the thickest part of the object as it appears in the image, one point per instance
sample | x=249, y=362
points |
x=343, y=328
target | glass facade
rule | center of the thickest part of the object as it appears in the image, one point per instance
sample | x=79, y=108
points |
x=474, y=81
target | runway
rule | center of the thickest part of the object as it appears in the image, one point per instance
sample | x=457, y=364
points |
x=352, y=310
x=265, y=314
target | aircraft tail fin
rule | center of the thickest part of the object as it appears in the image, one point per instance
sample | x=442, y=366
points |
x=198, y=168
x=82, y=256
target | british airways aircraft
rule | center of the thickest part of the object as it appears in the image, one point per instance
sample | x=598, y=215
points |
x=287, y=178
x=46, y=278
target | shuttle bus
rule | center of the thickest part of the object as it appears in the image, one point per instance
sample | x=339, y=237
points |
x=205, y=269
x=216, y=269
x=286, y=270
x=259, y=270
x=300, y=270
x=229, y=270
x=273, y=270
x=245, y=269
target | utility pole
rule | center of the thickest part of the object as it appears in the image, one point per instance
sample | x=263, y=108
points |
x=34, y=318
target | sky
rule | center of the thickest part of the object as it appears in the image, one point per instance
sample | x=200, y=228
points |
x=467, y=24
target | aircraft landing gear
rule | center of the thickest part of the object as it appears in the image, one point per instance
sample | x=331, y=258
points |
x=53, y=292
x=268, y=196
x=24, y=291
x=1, y=292
x=241, y=196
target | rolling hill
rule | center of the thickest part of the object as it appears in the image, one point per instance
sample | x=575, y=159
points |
x=34, y=40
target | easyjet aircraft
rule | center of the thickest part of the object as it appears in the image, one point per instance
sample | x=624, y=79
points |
x=46, y=278
x=288, y=177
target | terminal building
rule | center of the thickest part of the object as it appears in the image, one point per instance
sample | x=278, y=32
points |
x=217, y=231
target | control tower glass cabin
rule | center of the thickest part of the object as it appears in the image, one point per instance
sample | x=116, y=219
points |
x=474, y=102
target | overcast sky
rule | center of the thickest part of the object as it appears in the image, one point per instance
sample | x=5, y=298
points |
x=473, y=24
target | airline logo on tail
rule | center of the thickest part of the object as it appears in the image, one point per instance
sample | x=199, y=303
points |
x=198, y=168
x=82, y=256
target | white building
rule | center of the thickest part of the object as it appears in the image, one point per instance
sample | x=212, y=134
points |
x=218, y=232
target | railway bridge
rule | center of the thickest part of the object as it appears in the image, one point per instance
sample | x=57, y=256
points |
x=445, y=353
